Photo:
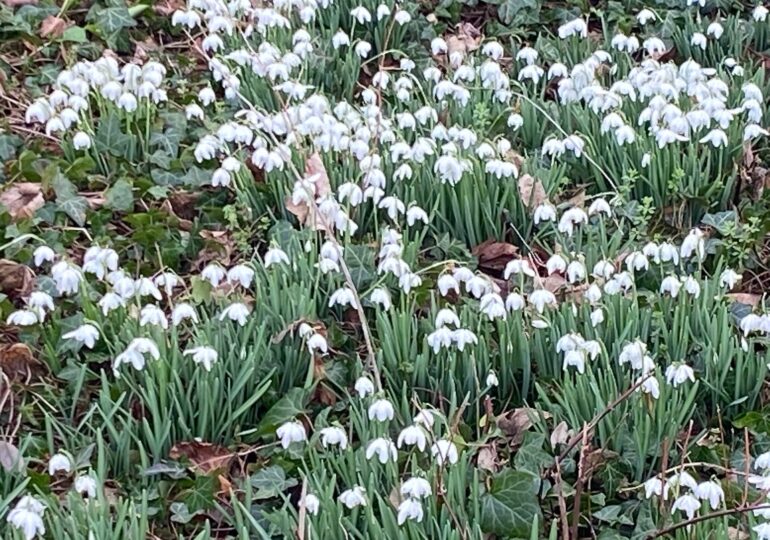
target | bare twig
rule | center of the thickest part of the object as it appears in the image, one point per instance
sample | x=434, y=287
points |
x=562, y=503
x=705, y=517
x=579, y=485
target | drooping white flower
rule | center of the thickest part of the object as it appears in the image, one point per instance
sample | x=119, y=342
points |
x=353, y=497
x=413, y=436
x=67, y=277
x=410, y=509
x=311, y=504
x=416, y=488
x=540, y=298
x=729, y=278
x=59, y=462
x=237, y=312
x=86, y=334
x=276, y=255
x=22, y=317
x=381, y=410
x=27, y=517
x=242, y=275
x=653, y=486
x=364, y=386
x=85, y=484
x=43, y=254
x=491, y=379
x=153, y=315
x=214, y=274
x=694, y=244
x=334, y=436
x=343, y=296
x=383, y=448
x=203, y=355
x=181, y=312
x=678, y=373
x=544, y=212
x=687, y=504
x=291, y=432
x=712, y=492
x=444, y=451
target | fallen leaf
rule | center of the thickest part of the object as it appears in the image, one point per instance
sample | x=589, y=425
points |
x=204, y=457
x=561, y=434
x=315, y=172
x=487, y=459
x=531, y=191
x=17, y=3
x=53, y=26
x=745, y=298
x=736, y=534
x=494, y=255
x=167, y=7
x=16, y=280
x=10, y=457
x=22, y=199
x=17, y=362
x=518, y=421
x=554, y=283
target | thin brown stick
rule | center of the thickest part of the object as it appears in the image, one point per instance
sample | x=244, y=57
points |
x=302, y=512
x=562, y=503
x=746, y=466
x=579, y=485
x=705, y=517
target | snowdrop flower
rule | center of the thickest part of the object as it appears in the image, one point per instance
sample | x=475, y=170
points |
x=363, y=49
x=710, y=491
x=206, y=356
x=193, y=110
x=699, y=40
x=446, y=283
x=762, y=461
x=729, y=278
x=446, y=317
x=425, y=418
x=599, y=206
x=575, y=359
x=518, y=266
x=413, y=436
x=81, y=141
x=86, y=334
x=575, y=27
x=207, y=96
x=670, y=285
x=402, y=17
x=597, y=317
x=540, y=298
x=22, y=317
x=651, y=386
x=687, y=504
x=603, y=269
x=59, y=462
x=43, y=254
x=381, y=296
x=491, y=380
x=514, y=302
x=241, y=274
x=555, y=264
x=694, y=244
x=381, y=410
x=317, y=342
x=462, y=337
x=763, y=529
x=414, y=214
x=416, y=488
x=220, y=177
x=653, y=486
x=593, y=294
x=750, y=323
x=311, y=504
x=678, y=373
x=67, y=277
x=545, y=212
x=361, y=14
x=636, y=261
x=576, y=271
x=85, y=484
x=646, y=160
x=276, y=256
x=645, y=16
x=444, y=451
x=291, y=432
x=111, y=301
x=152, y=315
x=144, y=287
x=334, y=436
x=528, y=54
x=752, y=131
x=27, y=517
x=190, y=19
x=353, y=497
x=715, y=30
x=181, y=312
x=214, y=274
x=759, y=13
x=383, y=448
x=382, y=11
x=692, y=286
x=364, y=387
x=410, y=509
x=237, y=312
x=633, y=353
x=682, y=478
x=135, y=352
x=343, y=296
x=716, y=137
x=570, y=218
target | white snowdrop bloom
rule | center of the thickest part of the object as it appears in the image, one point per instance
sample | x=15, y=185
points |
x=527, y=54
x=762, y=461
x=603, y=270
x=382, y=11
x=353, y=497
x=416, y=488
x=237, y=312
x=381, y=296
x=408, y=281
x=362, y=49
x=636, y=261
x=438, y=46
x=518, y=266
x=59, y=462
x=667, y=252
x=381, y=410
x=444, y=451
x=540, y=298
x=544, y=212
x=653, y=486
x=633, y=353
x=86, y=334
x=383, y=448
x=39, y=111
x=575, y=27
x=190, y=18
x=759, y=13
x=679, y=373
x=463, y=275
x=152, y=315
x=752, y=131
x=426, y=417
x=699, y=40
x=43, y=254
x=181, y=312
x=687, y=504
x=553, y=147
x=316, y=342
x=334, y=436
x=22, y=317
x=570, y=218
x=650, y=386
x=167, y=280
x=491, y=379
x=600, y=206
x=694, y=244
x=85, y=484
x=413, y=436
x=410, y=509
x=402, y=17
x=361, y=14
x=241, y=274
x=311, y=504
x=576, y=271
x=670, y=285
x=715, y=30
x=692, y=286
x=750, y=323
x=646, y=160
x=81, y=141
x=414, y=213
x=462, y=337
x=514, y=302
x=142, y=287
x=446, y=317
x=625, y=135
x=710, y=491
x=651, y=250
x=716, y=137
x=291, y=432
x=556, y=264
x=206, y=356
x=27, y=517
x=762, y=482
x=393, y=205
x=493, y=49
x=207, y=96
x=214, y=274
x=763, y=529
x=110, y=302
x=220, y=177
x=593, y=293
x=575, y=359
x=645, y=16
x=67, y=277
x=343, y=296
x=729, y=278
x=446, y=283
x=364, y=387
x=193, y=110
x=440, y=338
x=127, y=102
x=597, y=317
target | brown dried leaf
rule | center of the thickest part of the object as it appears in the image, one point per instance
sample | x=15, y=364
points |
x=494, y=255
x=53, y=26
x=487, y=459
x=531, y=191
x=560, y=434
x=518, y=421
x=204, y=457
x=467, y=39
x=745, y=298
x=16, y=280
x=315, y=171
x=17, y=362
x=22, y=199
x=17, y=3
x=167, y=7
x=554, y=283
x=10, y=457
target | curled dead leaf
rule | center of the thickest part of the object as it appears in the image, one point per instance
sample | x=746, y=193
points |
x=467, y=39
x=487, y=459
x=517, y=422
x=315, y=172
x=203, y=457
x=745, y=298
x=16, y=280
x=494, y=255
x=22, y=199
x=17, y=3
x=561, y=434
x=17, y=361
x=53, y=26
x=531, y=191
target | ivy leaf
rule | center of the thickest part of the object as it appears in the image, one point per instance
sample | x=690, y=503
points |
x=8, y=146
x=68, y=201
x=286, y=408
x=113, y=19
x=531, y=457
x=201, y=495
x=510, y=506
x=270, y=482
x=120, y=196
x=110, y=138
x=509, y=9
x=721, y=221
